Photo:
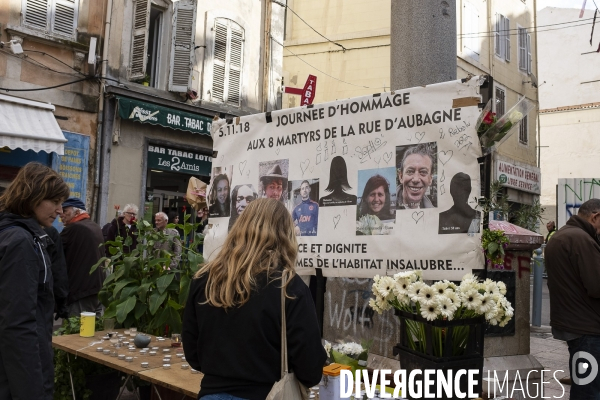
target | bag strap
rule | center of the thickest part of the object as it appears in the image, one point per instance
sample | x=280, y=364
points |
x=284, y=364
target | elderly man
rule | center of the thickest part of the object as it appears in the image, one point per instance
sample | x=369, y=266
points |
x=306, y=214
x=171, y=243
x=82, y=239
x=274, y=183
x=241, y=196
x=415, y=175
x=572, y=261
x=124, y=227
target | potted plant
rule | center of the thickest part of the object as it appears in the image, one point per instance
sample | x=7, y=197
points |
x=91, y=381
x=441, y=325
x=142, y=289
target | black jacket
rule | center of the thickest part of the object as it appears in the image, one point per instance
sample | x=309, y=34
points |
x=59, y=271
x=573, y=264
x=118, y=228
x=239, y=350
x=82, y=241
x=26, y=307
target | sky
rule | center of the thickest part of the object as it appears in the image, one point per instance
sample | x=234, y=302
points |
x=566, y=4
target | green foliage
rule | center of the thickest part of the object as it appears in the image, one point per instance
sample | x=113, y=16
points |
x=493, y=244
x=80, y=367
x=140, y=289
x=529, y=216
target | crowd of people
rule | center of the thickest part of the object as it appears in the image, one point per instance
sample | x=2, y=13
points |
x=45, y=274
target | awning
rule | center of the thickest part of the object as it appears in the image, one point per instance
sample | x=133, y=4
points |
x=29, y=125
x=166, y=117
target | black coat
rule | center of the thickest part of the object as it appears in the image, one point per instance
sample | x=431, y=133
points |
x=246, y=361
x=118, y=228
x=26, y=308
x=59, y=266
x=81, y=242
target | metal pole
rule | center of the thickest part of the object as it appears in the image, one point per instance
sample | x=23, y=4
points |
x=538, y=269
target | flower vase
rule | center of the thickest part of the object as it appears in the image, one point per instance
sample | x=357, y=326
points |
x=346, y=360
x=427, y=355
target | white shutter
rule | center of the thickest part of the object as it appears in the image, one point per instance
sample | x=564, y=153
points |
x=35, y=13
x=528, y=53
x=467, y=30
x=506, y=39
x=219, y=60
x=182, y=45
x=498, y=35
x=139, y=41
x=235, y=66
x=522, y=50
x=471, y=28
x=64, y=18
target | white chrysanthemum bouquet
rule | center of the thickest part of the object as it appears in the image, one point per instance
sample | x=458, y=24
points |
x=349, y=353
x=442, y=300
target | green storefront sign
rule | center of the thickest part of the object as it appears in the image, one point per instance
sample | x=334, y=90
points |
x=148, y=113
x=174, y=160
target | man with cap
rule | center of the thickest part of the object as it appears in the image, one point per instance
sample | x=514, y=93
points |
x=82, y=239
x=273, y=183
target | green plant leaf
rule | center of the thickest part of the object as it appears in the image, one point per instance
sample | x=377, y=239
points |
x=128, y=263
x=143, y=290
x=156, y=300
x=121, y=284
x=184, y=289
x=95, y=266
x=492, y=248
x=124, y=308
x=109, y=279
x=103, y=296
x=170, y=317
x=128, y=291
x=174, y=304
x=163, y=282
x=140, y=309
x=157, y=261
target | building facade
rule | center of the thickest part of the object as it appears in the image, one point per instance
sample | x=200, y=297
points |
x=50, y=96
x=569, y=105
x=172, y=66
x=346, y=45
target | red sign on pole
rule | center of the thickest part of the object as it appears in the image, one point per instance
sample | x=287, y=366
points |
x=308, y=93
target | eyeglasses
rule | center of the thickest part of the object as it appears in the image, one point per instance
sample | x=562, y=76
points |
x=130, y=213
x=247, y=198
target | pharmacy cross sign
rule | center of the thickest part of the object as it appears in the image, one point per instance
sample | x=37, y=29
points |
x=308, y=93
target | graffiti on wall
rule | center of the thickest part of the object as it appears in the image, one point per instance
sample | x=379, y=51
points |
x=572, y=193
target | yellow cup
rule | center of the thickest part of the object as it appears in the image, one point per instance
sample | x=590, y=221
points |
x=88, y=324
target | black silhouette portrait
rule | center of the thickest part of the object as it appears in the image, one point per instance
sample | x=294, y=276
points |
x=461, y=217
x=338, y=185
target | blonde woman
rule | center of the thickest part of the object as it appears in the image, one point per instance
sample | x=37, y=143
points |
x=232, y=320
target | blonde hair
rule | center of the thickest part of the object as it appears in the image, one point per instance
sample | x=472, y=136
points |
x=261, y=240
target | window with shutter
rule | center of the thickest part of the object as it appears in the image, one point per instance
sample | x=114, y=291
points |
x=506, y=39
x=523, y=58
x=498, y=35
x=139, y=41
x=227, y=62
x=528, y=53
x=500, y=103
x=55, y=17
x=35, y=13
x=524, y=131
x=182, y=45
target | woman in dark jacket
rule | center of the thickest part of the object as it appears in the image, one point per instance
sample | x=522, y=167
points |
x=239, y=292
x=32, y=201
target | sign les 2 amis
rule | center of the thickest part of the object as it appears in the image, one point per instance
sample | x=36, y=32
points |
x=186, y=162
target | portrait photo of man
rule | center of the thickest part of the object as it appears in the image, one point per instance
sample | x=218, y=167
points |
x=416, y=170
x=241, y=196
x=306, y=210
x=273, y=179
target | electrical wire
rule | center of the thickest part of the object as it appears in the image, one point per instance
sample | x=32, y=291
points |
x=56, y=59
x=44, y=88
x=529, y=30
x=535, y=27
x=37, y=63
x=307, y=24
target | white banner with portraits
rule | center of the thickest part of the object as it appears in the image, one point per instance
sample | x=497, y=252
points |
x=375, y=185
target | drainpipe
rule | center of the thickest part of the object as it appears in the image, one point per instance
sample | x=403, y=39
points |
x=101, y=117
x=266, y=57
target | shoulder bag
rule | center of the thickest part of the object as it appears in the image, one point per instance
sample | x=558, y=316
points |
x=288, y=388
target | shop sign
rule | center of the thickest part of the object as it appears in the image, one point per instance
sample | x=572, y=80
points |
x=518, y=176
x=174, y=160
x=148, y=113
x=73, y=165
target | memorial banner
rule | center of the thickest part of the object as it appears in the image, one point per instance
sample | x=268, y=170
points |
x=375, y=185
